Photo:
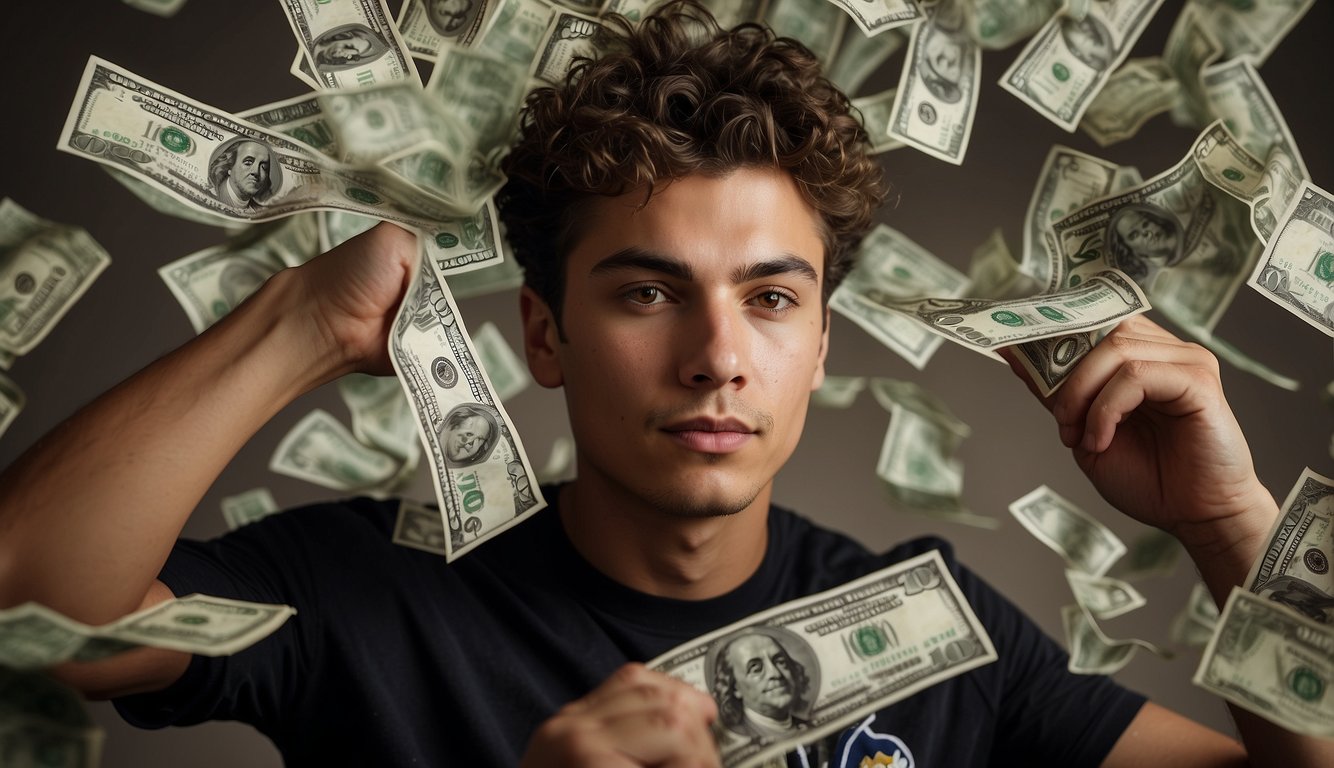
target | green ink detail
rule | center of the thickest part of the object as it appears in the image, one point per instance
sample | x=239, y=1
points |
x=901, y=272
x=1242, y=5
x=1074, y=280
x=193, y=620
x=363, y=196
x=1306, y=684
x=989, y=28
x=1061, y=72
x=1006, y=317
x=1052, y=313
x=870, y=640
x=446, y=240
x=1324, y=266
x=1057, y=214
x=374, y=119
x=174, y=139
x=1232, y=174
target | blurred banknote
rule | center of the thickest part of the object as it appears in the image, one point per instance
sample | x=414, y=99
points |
x=349, y=43
x=1102, y=596
x=853, y=650
x=818, y=24
x=1066, y=63
x=1139, y=90
x=420, y=527
x=1267, y=659
x=483, y=480
x=1196, y=622
x=166, y=8
x=320, y=450
x=1087, y=545
x=45, y=268
x=12, y=401
x=509, y=375
x=996, y=24
x=45, y=723
x=860, y=56
x=1094, y=653
x=889, y=265
x=248, y=507
x=33, y=636
x=874, y=112
x=210, y=283
x=426, y=25
x=877, y=16
x=838, y=391
x=1251, y=29
x=381, y=415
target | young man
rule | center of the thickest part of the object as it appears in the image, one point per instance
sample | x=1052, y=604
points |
x=682, y=212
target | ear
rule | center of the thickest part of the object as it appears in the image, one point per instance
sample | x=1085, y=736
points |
x=541, y=340
x=818, y=379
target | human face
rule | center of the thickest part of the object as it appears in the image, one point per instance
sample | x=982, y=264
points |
x=694, y=334
x=763, y=673
x=250, y=172
x=1146, y=236
x=464, y=439
x=345, y=48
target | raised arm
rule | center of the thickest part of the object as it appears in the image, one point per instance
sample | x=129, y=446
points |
x=90, y=512
x=1145, y=417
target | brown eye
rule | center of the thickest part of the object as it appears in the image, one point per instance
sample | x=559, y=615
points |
x=774, y=300
x=644, y=294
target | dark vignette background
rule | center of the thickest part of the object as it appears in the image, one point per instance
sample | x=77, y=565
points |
x=235, y=55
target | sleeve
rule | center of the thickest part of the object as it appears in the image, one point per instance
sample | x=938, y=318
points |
x=281, y=559
x=1046, y=715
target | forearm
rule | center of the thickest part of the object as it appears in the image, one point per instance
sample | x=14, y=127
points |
x=1224, y=559
x=89, y=514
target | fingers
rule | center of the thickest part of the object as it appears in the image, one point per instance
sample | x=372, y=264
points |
x=636, y=717
x=1137, y=363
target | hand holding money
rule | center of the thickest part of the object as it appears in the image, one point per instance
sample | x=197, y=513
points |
x=636, y=717
x=1145, y=417
x=354, y=291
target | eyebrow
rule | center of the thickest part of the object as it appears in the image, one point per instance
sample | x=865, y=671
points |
x=635, y=257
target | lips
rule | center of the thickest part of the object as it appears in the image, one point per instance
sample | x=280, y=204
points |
x=708, y=435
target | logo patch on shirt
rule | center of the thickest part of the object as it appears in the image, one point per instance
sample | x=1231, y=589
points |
x=862, y=747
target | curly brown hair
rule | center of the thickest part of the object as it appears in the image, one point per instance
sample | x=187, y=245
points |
x=677, y=95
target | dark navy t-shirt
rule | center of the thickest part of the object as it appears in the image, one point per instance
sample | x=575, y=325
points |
x=397, y=658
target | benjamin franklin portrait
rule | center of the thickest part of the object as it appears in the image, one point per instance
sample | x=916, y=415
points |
x=764, y=680
x=347, y=46
x=1142, y=239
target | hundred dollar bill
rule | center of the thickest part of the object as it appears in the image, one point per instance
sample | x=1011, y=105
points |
x=164, y=203
x=12, y=401
x=560, y=462
x=984, y=325
x=164, y=8
x=1266, y=659
x=483, y=480
x=1050, y=361
x=853, y=649
x=45, y=268
x=248, y=507
x=1087, y=545
x=838, y=391
x=320, y=450
x=517, y=32
x=210, y=283
x=507, y=372
x=818, y=24
x=1094, y=653
x=301, y=118
x=937, y=95
x=1251, y=29
x=889, y=264
x=1068, y=181
x=218, y=164
x=1295, y=567
x=859, y=56
x=568, y=35
x=1102, y=596
x=1181, y=235
x=33, y=636
x=350, y=43
x=483, y=92
x=337, y=227
x=994, y=274
x=1067, y=62
x=1190, y=48
x=1296, y=270
x=1235, y=92
x=877, y=16
x=420, y=527
x=426, y=25
x=1139, y=90
x=1195, y=624
x=874, y=112
x=997, y=24
x=1153, y=553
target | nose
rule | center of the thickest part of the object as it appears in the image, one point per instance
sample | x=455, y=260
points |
x=715, y=347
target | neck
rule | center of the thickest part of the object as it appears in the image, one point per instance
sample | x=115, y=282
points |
x=661, y=553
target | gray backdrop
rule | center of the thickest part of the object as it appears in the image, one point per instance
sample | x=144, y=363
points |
x=235, y=55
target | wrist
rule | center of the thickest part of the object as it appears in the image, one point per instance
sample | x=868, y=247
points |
x=1225, y=547
x=290, y=337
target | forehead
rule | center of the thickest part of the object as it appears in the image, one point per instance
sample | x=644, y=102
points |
x=252, y=149
x=708, y=221
x=757, y=645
